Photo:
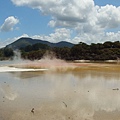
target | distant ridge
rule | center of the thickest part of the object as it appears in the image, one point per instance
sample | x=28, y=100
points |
x=25, y=41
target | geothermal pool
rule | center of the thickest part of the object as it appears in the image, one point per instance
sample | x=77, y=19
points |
x=85, y=93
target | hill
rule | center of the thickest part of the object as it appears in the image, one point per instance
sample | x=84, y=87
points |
x=23, y=42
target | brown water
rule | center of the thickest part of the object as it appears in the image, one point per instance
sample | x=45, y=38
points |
x=83, y=94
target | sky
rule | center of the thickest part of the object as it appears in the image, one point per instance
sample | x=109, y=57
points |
x=89, y=21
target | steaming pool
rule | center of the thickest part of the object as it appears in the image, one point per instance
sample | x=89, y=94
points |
x=85, y=92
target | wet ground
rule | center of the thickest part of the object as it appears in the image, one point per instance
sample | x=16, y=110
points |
x=84, y=93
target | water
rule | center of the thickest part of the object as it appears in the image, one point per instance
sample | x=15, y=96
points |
x=82, y=94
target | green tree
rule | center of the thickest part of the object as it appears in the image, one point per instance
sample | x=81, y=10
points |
x=8, y=52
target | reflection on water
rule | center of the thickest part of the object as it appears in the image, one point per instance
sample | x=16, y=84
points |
x=76, y=95
x=8, y=92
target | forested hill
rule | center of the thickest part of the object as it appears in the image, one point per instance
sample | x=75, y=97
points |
x=32, y=50
x=23, y=42
x=95, y=51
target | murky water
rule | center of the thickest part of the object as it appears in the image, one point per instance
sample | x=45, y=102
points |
x=71, y=95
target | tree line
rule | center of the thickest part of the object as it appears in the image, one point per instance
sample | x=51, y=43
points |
x=95, y=51
x=6, y=53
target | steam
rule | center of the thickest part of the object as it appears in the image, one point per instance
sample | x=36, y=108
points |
x=17, y=55
x=48, y=61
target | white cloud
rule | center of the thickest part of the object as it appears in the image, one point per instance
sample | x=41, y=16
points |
x=87, y=19
x=24, y=35
x=61, y=34
x=111, y=36
x=58, y=36
x=3, y=43
x=66, y=35
x=8, y=24
x=75, y=12
x=108, y=16
x=64, y=13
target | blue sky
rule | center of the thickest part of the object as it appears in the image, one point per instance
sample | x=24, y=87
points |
x=59, y=20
